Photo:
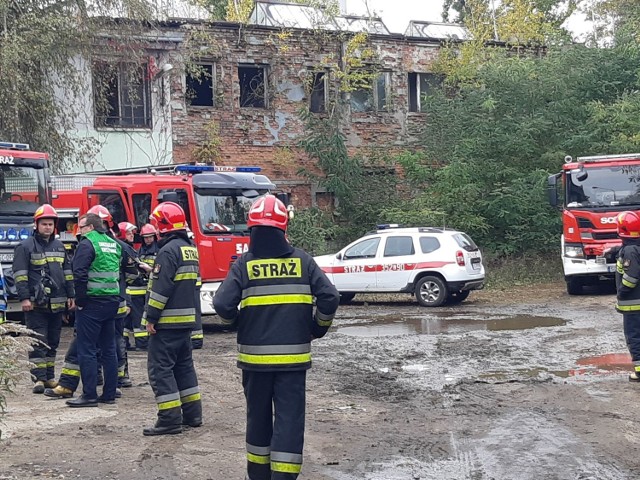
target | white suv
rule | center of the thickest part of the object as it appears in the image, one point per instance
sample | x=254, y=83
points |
x=437, y=265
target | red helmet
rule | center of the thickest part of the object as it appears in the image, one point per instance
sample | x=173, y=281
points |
x=628, y=225
x=268, y=211
x=45, y=211
x=148, y=230
x=168, y=217
x=103, y=213
x=124, y=228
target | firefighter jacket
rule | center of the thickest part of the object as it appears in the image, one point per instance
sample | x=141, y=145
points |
x=627, y=277
x=42, y=273
x=146, y=254
x=276, y=321
x=171, y=301
x=129, y=277
x=96, y=268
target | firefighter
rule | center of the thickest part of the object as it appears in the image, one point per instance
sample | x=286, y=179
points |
x=197, y=334
x=628, y=292
x=170, y=313
x=147, y=255
x=275, y=284
x=96, y=270
x=44, y=281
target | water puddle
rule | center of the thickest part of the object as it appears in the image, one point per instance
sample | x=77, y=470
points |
x=608, y=364
x=395, y=325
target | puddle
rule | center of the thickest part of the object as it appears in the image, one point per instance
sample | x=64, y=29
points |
x=393, y=325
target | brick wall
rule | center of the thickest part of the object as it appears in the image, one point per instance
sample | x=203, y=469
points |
x=268, y=137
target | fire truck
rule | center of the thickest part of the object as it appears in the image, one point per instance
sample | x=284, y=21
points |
x=215, y=199
x=25, y=184
x=593, y=190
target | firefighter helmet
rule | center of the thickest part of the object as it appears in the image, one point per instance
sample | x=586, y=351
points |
x=148, y=230
x=168, y=217
x=126, y=227
x=628, y=225
x=268, y=211
x=45, y=211
x=103, y=213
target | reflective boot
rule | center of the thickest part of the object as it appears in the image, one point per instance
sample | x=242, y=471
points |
x=58, y=392
x=633, y=377
x=50, y=384
x=38, y=387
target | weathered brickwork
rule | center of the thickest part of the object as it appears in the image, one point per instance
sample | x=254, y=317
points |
x=268, y=137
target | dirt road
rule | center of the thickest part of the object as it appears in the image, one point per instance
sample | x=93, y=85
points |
x=522, y=384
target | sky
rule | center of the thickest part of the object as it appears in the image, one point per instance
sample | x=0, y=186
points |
x=396, y=14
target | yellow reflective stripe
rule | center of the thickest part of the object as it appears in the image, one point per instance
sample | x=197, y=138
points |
x=51, y=364
x=178, y=319
x=191, y=398
x=259, y=459
x=185, y=276
x=274, y=359
x=276, y=300
x=197, y=336
x=628, y=284
x=41, y=365
x=68, y=277
x=286, y=467
x=628, y=308
x=69, y=371
x=156, y=304
x=168, y=405
x=122, y=310
x=22, y=278
x=40, y=261
x=140, y=334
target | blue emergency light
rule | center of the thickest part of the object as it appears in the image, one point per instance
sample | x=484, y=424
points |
x=12, y=235
x=385, y=226
x=24, y=234
x=193, y=169
x=14, y=146
x=3, y=234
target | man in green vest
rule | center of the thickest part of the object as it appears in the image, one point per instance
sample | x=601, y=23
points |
x=96, y=270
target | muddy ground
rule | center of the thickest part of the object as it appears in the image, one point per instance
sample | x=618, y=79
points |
x=527, y=383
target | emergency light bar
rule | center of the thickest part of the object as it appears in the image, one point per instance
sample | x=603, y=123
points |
x=14, y=146
x=211, y=168
x=608, y=158
x=385, y=226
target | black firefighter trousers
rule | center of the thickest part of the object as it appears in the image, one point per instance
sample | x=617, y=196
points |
x=173, y=377
x=274, y=442
x=48, y=326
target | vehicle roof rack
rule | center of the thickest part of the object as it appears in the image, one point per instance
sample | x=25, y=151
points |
x=608, y=158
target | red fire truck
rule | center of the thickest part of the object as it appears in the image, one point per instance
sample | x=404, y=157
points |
x=594, y=190
x=25, y=184
x=216, y=201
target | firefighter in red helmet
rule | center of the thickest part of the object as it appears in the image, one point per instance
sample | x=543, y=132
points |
x=628, y=291
x=275, y=286
x=44, y=281
x=169, y=316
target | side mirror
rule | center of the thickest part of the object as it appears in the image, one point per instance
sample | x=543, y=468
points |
x=552, y=189
x=339, y=255
x=284, y=198
x=582, y=176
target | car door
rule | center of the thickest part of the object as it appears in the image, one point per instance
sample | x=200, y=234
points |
x=355, y=267
x=398, y=258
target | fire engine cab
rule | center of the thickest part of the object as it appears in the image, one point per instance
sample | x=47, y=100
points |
x=595, y=190
x=215, y=199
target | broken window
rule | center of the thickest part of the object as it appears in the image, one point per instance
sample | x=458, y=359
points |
x=200, y=85
x=253, y=86
x=122, y=95
x=421, y=85
x=318, y=96
x=374, y=98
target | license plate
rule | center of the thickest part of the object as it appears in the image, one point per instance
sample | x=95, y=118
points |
x=6, y=257
x=474, y=254
x=611, y=268
x=476, y=266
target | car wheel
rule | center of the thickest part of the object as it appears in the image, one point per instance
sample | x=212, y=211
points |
x=574, y=286
x=431, y=291
x=458, y=297
x=346, y=298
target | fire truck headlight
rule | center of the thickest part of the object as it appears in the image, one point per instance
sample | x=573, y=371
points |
x=24, y=234
x=573, y=251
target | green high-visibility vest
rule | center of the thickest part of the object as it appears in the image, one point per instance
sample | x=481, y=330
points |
x=104, y=272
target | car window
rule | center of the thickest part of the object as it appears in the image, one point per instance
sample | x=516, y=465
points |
x=465, y=242
x=365, y=249
x=397, y=246
x=429, y=244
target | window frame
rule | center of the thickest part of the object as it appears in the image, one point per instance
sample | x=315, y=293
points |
x=325, y=89
x=265, y=93
x=433, y=237
x=211, y=78
x=372, y=91
x=367, y=240
x=394, y=237
x=416, y=96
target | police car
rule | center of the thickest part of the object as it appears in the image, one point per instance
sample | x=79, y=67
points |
x=437, y=265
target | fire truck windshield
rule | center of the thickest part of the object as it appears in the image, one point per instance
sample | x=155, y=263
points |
x=22, y=189
x=604, y=187
x=224, y=211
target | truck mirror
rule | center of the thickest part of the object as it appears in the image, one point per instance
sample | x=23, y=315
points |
x=552, y=189
x=284, y=198
x=582, y=175
x=339, y=256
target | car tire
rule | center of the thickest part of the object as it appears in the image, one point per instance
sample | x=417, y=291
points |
x=345, y=298
x=574, y=286
x=458, y=297
x=431, y=291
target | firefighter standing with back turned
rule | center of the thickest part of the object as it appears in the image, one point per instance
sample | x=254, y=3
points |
x=628, y=291
x=275, y=284
x=169, y=316
x=44, y=281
